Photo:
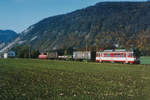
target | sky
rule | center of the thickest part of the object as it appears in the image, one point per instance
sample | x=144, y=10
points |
x=18, y=15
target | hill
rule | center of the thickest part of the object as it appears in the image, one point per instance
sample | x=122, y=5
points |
x=104, y=25
x=7, y=35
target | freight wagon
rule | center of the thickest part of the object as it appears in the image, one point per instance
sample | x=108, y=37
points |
x=52, y=55
x=65, y=57
x=81, y=55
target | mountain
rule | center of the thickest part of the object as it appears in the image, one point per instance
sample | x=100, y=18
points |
x=104, y=25
x=7, y=35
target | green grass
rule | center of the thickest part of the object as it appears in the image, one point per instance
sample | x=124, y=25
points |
x=145, y=60
x=23, y=79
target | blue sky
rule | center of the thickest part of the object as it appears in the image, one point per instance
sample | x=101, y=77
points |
x=17, y=15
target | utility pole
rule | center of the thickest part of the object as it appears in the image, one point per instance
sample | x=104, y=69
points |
x=29, y=51
x=86, y=44
x=87, y=36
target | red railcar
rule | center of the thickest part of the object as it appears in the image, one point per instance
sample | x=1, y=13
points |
x=117, y=56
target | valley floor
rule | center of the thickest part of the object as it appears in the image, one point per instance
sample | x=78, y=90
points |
x=28, y=79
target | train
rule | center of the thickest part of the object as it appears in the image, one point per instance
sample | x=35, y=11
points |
x=113, y=56
x=121, y=56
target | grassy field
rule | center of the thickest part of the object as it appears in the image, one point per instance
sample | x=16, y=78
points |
x=145, y=60
x=23, y=79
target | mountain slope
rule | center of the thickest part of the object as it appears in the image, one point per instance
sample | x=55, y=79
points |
x=103, y=25
x=7, y=35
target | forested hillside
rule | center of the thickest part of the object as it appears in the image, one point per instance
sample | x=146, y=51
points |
x=103, y=25
x=7, y=35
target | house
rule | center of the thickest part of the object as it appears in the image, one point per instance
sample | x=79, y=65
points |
x=5, y=55
x=10, y=54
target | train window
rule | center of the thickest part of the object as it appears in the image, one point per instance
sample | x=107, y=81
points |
x=117, y=55
x=97, y=55
x=130, y=55
x=122, y=55
x=107, y=55
x=112, y=55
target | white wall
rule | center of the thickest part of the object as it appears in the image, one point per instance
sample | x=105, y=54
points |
x=5, y=55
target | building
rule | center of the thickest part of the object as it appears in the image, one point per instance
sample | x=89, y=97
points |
x=5, y=55
x=10, y=54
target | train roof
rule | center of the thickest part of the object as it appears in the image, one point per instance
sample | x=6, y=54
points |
x=117, y=50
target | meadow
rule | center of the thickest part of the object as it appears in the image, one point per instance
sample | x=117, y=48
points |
x=145, y=59
x=28, y=79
